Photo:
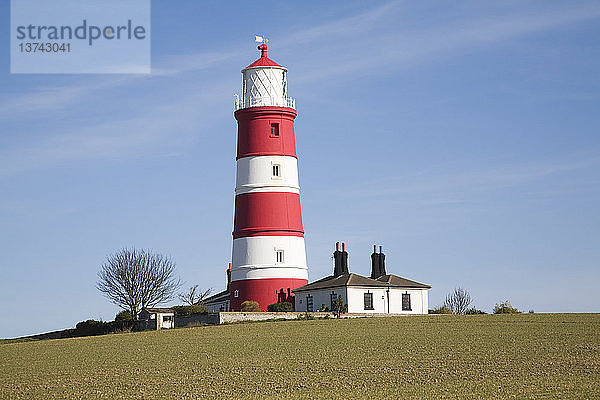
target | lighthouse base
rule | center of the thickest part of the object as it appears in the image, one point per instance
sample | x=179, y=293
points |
x=263, y=291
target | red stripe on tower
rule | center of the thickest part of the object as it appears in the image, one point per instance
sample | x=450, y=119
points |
x=269, y=256
x=266, y=131
x=267, y=213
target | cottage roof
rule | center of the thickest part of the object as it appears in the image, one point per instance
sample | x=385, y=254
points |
x=158, y=310
x=217, y=298
x=358, y=280
x=398, y=281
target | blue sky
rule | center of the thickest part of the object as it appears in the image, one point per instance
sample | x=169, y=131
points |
x=464, y=137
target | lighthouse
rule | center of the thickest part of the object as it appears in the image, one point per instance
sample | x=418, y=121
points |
x=268, y=256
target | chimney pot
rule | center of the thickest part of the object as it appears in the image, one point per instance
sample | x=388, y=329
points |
x=374, y=248
x=380, y=249
x=343, y=246
x=337, y=246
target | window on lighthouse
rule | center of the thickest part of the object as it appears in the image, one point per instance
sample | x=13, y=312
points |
x=276, y=171
x=275, y=129
x=279, y=256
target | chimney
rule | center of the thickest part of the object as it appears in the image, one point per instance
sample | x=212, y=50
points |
x=340, y=260
x=344, y=259
x=381, y=262
x=337, y=260
x=228, y=276
x=375, y=263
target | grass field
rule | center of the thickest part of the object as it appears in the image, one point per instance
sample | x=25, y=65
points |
x=440, y=356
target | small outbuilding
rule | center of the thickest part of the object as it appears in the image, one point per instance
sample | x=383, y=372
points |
x=159, y=318
x=380, y=293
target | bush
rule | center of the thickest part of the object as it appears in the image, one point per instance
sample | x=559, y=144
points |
x=121, y=326
x=124, y=315
x=505, y=308
x=473, y=310
x=250, y=306
x=441, y=310
x=184, y=311
x=324, y=308
x=305, y=316
x=91, y=328
x=280, y=307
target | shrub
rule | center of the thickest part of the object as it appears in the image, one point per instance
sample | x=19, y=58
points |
x=281, y=307
x=184, y=311
x=121, y=326
x=531, y=311
x=324, y=308
x=305, y=316
x=441, y=310
x=124, y=315
x=505, y=308
x=250, y=306
x=473, y=310
x=91, y=328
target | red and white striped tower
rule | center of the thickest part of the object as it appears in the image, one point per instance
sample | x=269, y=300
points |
x=269, y=257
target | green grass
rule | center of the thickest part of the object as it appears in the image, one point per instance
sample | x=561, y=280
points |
x=442, y=356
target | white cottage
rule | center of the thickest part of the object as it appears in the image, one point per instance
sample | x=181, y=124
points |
x=379, y=294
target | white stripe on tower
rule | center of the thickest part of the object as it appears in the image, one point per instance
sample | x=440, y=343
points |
x=267, y=174
x=255, y=257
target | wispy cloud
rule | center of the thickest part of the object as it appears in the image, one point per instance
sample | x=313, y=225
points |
x=446, y=186
x=149, y=132
x=345, y=46
x=374, y=49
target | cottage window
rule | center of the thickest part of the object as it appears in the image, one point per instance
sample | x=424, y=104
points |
x=309, y=303
x=236, y=293
x=368, y=301
x=406, y=302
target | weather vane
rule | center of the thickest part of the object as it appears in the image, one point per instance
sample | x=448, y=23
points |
x=261, y=39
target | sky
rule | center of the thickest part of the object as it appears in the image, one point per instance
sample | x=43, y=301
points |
x=463, y=137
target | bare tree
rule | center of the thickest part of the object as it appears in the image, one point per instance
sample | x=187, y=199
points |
x=194, y=296
x=135, y=279
x=458, y=301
